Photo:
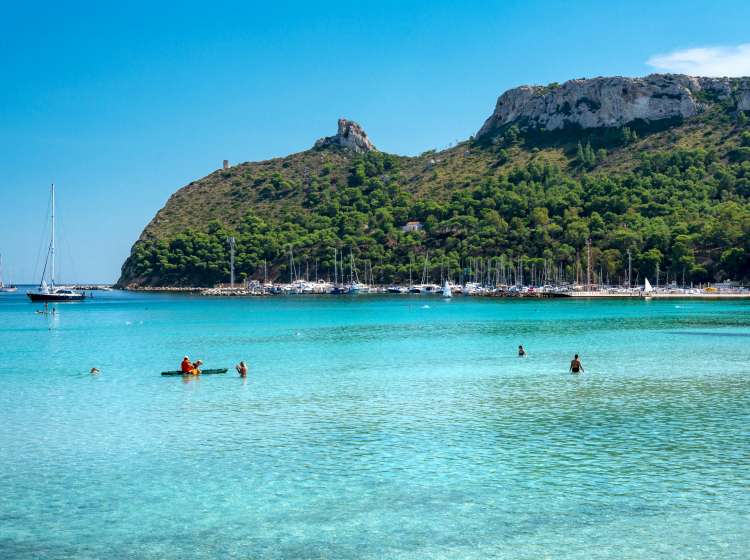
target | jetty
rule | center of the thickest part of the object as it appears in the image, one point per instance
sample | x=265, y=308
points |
x=321, y=288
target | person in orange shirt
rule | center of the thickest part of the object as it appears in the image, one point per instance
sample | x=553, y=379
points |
x=186, y=366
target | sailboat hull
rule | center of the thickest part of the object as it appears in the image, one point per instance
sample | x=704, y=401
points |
x=55, y=297
x=339, y=290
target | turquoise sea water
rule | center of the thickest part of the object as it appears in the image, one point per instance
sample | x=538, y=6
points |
x=400, y=427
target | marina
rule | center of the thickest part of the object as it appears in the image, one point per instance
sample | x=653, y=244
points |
x=481, y=277
x=471, y=289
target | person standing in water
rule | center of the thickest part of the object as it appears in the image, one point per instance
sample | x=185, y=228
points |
x=521, y=351
x=575, y=365
x=241, y=369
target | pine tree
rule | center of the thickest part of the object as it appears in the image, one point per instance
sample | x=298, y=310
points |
x=588, y=154
x=580, y=156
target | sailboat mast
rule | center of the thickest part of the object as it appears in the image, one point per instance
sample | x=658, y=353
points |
x=52, y=244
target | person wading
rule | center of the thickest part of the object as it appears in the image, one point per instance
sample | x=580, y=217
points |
x=241, y=369
x=575, y=365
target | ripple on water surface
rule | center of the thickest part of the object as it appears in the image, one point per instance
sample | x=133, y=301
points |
x=375, y=428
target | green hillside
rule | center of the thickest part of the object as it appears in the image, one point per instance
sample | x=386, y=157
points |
x=676, y=195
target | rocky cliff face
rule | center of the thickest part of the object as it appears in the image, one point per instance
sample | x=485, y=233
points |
x=612, y=102
x=350, y=136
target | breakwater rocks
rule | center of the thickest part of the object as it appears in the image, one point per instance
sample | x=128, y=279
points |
x=470, y=290
x=185, y=289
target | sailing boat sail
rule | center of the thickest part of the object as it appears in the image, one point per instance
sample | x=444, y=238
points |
x=447, y=292
x=3, y=287
x=647, y=287
x=49, y=292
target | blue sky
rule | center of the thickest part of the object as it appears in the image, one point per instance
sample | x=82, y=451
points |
x=120, y=104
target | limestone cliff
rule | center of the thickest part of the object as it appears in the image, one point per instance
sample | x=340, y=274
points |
x=527, y=193
x=614, y=101
x=350, y=136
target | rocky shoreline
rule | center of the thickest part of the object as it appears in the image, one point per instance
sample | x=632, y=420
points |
x=282, y=290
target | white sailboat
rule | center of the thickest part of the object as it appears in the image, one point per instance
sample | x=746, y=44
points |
x=5, y=288
x=647, y=289
x=50, y=292
x=354, y=286
x=447, y=292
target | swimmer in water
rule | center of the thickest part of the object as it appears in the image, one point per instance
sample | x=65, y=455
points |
x=521, y=351
x=241, y=369
x=575, y=365
x=94, y=371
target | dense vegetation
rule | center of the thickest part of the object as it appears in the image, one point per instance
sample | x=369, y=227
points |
x=678, y=200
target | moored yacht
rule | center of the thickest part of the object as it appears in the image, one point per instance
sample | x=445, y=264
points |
x=50, y=292
x=5, y=288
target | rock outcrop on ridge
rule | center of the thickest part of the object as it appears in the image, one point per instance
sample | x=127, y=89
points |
x=613, y=101
x=511, y=192
x=350, y=136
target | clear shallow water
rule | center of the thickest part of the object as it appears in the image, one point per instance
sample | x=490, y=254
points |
x=375, y=427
